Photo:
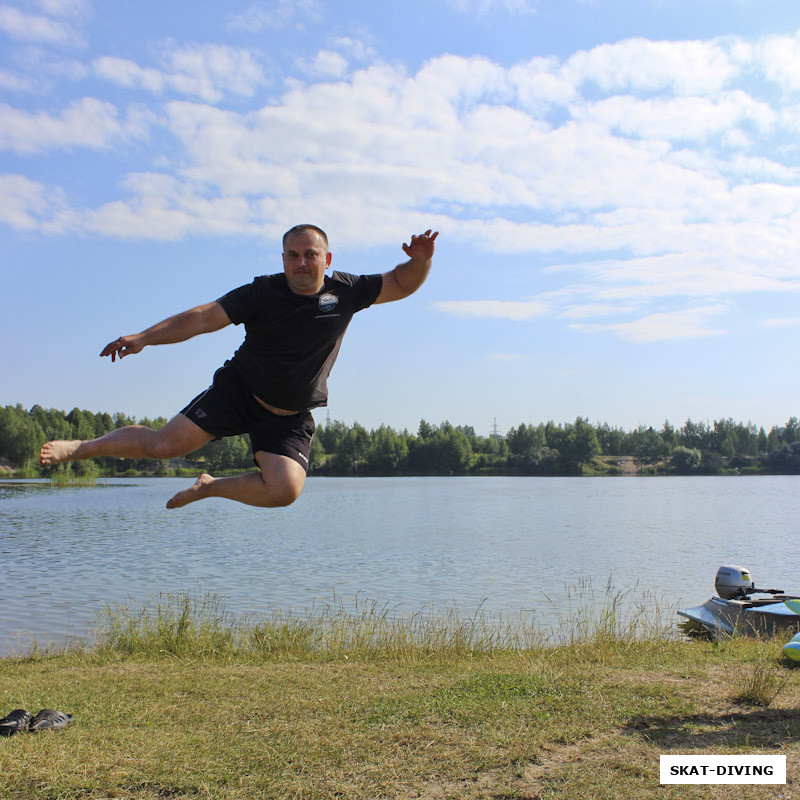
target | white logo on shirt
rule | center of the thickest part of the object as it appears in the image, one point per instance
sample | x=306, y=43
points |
x=328, y=302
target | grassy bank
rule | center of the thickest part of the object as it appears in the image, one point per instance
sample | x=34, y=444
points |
x=181, y=700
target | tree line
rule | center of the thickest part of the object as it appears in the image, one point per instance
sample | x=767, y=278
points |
x=574, y=448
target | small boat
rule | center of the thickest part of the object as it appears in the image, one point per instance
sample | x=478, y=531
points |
x=737, y=611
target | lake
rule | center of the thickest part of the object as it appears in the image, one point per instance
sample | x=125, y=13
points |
x=506, y=544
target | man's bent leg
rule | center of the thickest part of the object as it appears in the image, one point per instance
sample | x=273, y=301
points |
x=278, y=484
x=177, y=438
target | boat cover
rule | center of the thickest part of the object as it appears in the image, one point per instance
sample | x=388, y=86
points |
x=702, y=615
x=773, y=609
x=720, y=617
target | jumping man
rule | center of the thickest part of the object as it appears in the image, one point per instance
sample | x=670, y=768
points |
x=294, y=323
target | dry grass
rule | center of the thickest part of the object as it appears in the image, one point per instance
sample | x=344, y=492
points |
x=187, y=624
x=381, y=715
x=759, y=684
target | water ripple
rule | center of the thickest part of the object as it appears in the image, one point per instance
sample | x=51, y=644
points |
x=506, y=543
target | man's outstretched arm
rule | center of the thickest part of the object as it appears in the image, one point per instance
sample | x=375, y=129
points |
x=200, y=319
x=406, y=278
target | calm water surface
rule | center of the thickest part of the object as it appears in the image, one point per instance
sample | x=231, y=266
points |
x=505, y=543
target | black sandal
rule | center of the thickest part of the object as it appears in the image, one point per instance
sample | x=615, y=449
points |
x=47, y=719
x=18, y=720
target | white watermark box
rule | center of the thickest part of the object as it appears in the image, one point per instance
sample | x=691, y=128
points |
x=723, y=769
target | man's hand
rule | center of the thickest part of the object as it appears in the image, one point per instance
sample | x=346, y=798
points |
x=406, y=278
x=421, y=247
x=123, y=346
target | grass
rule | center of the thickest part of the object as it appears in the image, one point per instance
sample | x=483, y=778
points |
x=758, y=684
x=180, y=699
x=64, y=479
x=73, y=474
x=184, y=624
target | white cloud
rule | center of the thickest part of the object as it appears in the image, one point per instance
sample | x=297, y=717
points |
x=685, y=324
x=515, y=310
x=780, y=58
x=482, y=7
x=22, y=202
x=166, y=209
x=677, y=117
x=205, y=71
x=262, y=16
x=540, y=83
x=685, y=67
x=760, y=168
x=45, y=67
x=208, y=70
x=65, y=8
x=127, y=73
x=461, y=81
x=59, y=25
x=326, y=64
x=781, y=322
x=84, y=123
x=15, y=82
x=358, y=49
x=589, y=310
x=36, y=28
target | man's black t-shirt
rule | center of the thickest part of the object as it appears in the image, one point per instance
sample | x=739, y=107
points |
x=292, y=340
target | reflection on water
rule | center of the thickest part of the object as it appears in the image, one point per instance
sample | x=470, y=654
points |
x=506, y=543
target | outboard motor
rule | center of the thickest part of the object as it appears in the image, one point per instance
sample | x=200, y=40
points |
x=733, y=582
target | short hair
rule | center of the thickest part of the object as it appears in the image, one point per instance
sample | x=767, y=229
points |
x=305, y=228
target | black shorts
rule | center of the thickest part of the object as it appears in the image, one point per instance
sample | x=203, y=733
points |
x=228, y=408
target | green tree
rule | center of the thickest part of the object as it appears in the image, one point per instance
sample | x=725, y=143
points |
x=686, y=460
x=233, y=453
x=647, y=445
x=695, y=434
x=122, y=420
x=387, y=452
x=450, y=452
x=526, y=439
x=53, y=423
x=728, y=446
x=773, y=438
x=82, y=422
x=332, y=435
x=785, y=459
x=444, y=451
x=103, y=423
x=351, y=452
x=579, y=445
x=20, y=436
x=426, y=431
x=611, y=440
x=316, y=454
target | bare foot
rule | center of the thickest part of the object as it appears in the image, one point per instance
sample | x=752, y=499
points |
x=57, y=451
x=192, y=493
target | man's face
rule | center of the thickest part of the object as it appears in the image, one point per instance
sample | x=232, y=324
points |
x=305, y=259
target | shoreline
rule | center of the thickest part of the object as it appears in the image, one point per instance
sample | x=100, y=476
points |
x=181, y=710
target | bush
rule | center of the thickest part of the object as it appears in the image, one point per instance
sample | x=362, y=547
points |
x=686, y=460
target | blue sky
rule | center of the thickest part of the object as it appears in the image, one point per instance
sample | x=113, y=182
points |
x=615, y=185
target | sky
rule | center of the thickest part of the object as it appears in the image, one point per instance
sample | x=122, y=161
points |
x=616, y=186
